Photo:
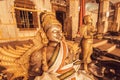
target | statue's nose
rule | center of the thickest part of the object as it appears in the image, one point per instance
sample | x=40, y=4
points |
x=61, y=34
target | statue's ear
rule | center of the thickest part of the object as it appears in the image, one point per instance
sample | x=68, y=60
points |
x=43, y=37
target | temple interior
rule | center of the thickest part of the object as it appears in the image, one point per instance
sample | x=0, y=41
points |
x=20, y=22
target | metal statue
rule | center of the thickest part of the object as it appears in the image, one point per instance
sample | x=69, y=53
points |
x=47, y=57
x=87, y=31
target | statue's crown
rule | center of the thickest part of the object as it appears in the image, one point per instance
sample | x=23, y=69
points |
x=48, y=19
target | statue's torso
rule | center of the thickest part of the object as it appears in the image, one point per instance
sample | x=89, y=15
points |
x=88, y=31
x=49, y=53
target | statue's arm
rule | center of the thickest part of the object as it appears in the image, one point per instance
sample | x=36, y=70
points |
x=86, y=35
x=83, y=32
x=36, y=62
x=44, y=60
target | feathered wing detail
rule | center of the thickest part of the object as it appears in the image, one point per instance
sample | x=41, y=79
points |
x=15, y=58
x=9, y=58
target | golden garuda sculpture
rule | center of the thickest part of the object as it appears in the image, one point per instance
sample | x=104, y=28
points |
x=18, y=58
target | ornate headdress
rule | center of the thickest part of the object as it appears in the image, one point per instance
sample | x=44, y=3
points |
x=48, y=19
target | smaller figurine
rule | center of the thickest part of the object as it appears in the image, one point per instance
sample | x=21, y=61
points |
x=87, y=31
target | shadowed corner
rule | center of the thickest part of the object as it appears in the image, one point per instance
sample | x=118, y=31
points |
x=2, y=68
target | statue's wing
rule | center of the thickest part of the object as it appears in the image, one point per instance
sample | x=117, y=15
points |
x=11, y=58
x=14, y=57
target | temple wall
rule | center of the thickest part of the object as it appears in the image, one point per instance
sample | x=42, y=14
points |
x=8, y=26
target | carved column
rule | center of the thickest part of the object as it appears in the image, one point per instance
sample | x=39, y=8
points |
x=116, y=23
x=103, y=16
x=74, y=14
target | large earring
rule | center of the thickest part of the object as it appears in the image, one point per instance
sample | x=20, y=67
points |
x=44, y=38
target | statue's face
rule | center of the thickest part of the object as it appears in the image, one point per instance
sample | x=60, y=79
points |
x=54, y=33
x=88, y=20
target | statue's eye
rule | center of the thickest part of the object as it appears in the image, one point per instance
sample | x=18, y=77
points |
x=54, y=31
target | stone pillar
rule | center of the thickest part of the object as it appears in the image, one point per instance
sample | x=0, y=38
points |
x=116, y=23
x=103, y=16
x=74, y=14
